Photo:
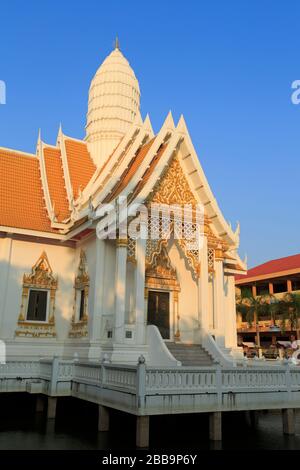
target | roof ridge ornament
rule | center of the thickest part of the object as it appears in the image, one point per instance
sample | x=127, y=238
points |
x=117, y=43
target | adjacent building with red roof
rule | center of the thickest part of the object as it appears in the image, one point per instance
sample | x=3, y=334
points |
x=272, y=279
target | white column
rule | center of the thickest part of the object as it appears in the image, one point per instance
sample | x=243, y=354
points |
x=120, y=289
x=203, y=288
x=140, y=291
x=230, y=314
x=219, y=300
x=95, y=323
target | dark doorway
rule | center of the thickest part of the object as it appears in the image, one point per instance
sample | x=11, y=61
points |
x=158, y=312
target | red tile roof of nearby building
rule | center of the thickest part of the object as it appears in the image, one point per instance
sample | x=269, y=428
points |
x=273, y=267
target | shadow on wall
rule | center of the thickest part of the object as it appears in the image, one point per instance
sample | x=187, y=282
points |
x=11, y=285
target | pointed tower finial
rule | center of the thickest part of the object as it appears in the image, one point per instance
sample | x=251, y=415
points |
x=117, y=44
x=39, y=143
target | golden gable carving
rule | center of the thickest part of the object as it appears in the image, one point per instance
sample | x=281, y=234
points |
x=173, y=187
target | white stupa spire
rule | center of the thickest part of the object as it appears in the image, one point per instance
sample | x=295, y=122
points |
x=114, y=101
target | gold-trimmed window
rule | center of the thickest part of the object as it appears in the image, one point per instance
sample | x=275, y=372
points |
x=37, y=313
x=80, y=308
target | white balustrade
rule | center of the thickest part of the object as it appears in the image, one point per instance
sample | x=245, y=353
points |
x=141, y=386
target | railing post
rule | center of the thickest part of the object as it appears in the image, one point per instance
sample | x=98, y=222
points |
x=103, y=374
x=219, y=384
x=141, y=382
x=54, y=375
x=288, y=381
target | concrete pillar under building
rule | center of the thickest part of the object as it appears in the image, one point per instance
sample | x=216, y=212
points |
x=215, y=426
x=288, y=421
x=142, y=431
x=103, y=418
x=40, y=404
x=252, y=418
x=51, y=409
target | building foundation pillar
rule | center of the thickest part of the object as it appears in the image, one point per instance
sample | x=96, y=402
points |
x=51, y=409
x=40, y=404
x=142, y=431
x=252, y=418
x=288, y=421
x=215, y=426
x=103, y=418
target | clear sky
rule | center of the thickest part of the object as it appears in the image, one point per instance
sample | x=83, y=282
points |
x=226, y=65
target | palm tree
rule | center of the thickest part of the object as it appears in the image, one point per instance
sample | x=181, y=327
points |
x=251, y=307
x=272, y=307
x=290, y=307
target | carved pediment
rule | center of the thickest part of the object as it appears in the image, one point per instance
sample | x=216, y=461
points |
x=41, y=275
x=160, y=273
x=173, y=187
x=82, y=277
x=161, y=265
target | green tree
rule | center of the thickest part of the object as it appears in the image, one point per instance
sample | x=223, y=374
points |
x=252, y=307
x=290, y=309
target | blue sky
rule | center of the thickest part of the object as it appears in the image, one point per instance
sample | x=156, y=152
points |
x=227, y=66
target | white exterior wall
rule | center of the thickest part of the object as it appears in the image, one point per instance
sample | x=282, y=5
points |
x=230, y=314
x=187, y=298
x=23, y=256
x=109, y=279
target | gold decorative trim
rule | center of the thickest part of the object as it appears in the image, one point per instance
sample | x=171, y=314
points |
x=79, y=327
x=160, y=274
x=173, y=187
x=219, y=255
x=41, y=277
x=121, y=242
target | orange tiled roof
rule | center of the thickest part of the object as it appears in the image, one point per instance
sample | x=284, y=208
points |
x=22, y=199
x=81, y=166
x=130, y=171
x=22, y=202
x=56, y=183
x=149, y=171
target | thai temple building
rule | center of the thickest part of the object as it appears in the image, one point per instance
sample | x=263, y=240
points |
x=65, y=291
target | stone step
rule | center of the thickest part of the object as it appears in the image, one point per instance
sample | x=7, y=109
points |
x=190, y=354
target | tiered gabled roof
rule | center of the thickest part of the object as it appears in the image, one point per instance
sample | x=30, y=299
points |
x=81, y=166
x=37, y=192
x=65, y=187
x=56, y=183
x=22, y=204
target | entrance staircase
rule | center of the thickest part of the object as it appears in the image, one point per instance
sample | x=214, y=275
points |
x=190, y=354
